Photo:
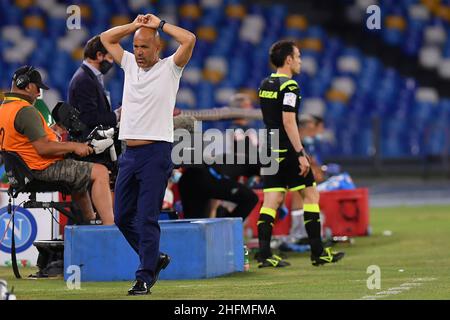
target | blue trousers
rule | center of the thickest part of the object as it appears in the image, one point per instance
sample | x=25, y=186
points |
x=138, y=197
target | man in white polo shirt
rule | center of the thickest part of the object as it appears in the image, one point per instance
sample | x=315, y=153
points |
x=150, y=90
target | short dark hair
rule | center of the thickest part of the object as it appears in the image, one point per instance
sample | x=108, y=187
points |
x=317, y=119
x=304, y=119
x=280, y=51
x=93, y=46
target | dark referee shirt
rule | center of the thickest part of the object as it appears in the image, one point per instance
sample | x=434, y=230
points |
x=279, y=93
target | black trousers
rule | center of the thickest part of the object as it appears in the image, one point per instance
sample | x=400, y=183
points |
x=199, y=185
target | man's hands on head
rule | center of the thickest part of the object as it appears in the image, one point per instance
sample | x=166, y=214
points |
x=147, y=21
x=153, y=21
x=139, y=21
x=111, y=38
x=185, y=38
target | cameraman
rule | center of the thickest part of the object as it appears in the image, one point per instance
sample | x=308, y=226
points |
x=26, y=133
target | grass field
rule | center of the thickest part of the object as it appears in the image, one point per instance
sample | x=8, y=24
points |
x=414, y=263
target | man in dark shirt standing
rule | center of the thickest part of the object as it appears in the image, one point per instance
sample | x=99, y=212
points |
x=280, y=100
x=87, y=91
x=88, y=95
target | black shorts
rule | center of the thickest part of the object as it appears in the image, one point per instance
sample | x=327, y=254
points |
x=288, y=176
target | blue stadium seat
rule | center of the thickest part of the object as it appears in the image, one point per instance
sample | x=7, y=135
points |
x=412, y=42
x=363, y=141
x=380, y=91
x=205, y=97
x=14, y=15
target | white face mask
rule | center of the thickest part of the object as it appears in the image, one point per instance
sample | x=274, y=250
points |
x=308, y=140
x=176, y=175
x=319, y=137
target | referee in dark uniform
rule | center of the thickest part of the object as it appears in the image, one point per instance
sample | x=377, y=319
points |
x=280, y=100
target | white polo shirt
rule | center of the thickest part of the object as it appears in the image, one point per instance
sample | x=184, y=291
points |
x=148, y=99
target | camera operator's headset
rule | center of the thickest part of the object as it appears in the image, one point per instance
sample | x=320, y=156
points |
x=24, y=80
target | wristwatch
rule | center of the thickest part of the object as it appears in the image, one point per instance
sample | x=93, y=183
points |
x=161, y=25
x=301, y=153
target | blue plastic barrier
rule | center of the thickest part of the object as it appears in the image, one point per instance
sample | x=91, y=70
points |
x=201, y=248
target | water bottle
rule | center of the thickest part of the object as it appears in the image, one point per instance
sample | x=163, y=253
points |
x=4, y=294
x=343, y=239
x=3, y=289
x=246, y=259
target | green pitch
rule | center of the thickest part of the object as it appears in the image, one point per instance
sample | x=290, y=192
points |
x=414, y=263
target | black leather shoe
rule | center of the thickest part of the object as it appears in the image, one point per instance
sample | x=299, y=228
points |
x=139, y=288
x=163, y=262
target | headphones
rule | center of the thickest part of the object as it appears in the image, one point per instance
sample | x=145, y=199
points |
x=23, y=80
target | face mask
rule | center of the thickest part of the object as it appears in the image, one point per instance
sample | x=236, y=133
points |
x=105, y=66
x=319, y=137
x=176, y=175
x=308, y=140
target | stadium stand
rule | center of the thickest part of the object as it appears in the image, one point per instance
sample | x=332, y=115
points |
x=358, y=95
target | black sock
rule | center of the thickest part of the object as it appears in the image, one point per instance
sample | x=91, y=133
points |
x=312, y=226
x=265, y=224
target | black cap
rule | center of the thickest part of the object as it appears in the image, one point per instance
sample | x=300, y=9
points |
x=33, y=74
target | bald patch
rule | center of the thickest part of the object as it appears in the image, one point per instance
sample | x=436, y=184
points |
x=146, y=34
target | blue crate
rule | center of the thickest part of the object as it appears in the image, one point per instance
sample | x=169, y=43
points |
x=199, y=248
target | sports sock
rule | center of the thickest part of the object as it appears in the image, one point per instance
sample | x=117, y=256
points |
x=265, y=224
x=298, y=230
x=312, y=226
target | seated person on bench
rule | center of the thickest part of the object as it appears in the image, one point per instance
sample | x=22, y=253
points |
x=23, y=130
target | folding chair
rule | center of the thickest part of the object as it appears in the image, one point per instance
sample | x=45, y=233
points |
x=21, y=180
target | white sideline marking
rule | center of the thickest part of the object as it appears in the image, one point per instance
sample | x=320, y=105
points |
x=388, y=292
x=400, y=288
x=371, y=297
x=424, y=279
x=410, y=284
x=414, y=283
